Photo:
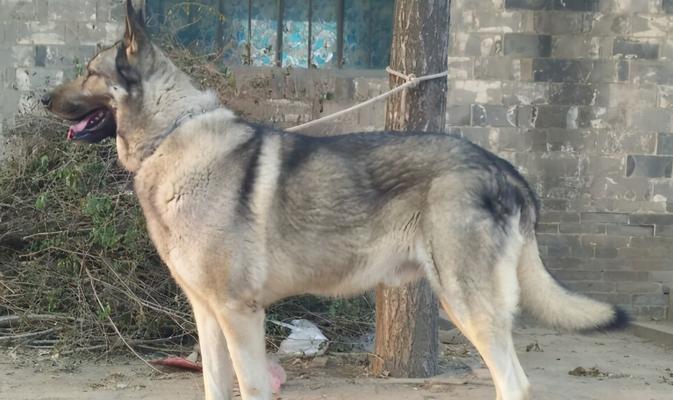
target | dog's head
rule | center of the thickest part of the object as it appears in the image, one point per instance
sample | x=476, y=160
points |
x=113, y=80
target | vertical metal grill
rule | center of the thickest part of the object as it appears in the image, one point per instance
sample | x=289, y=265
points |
x=308, y=33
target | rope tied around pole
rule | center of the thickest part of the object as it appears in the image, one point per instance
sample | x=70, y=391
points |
x=411, y=81
x=408, y=78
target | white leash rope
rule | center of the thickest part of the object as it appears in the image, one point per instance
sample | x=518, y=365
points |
x=411, y=81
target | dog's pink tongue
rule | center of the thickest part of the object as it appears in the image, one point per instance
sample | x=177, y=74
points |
x=78, y=127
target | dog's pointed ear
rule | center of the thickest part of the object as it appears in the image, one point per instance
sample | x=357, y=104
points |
x=135, y=46
x=135, y=37
x=133, y=13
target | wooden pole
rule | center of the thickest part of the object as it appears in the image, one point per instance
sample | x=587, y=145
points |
x=406, y=318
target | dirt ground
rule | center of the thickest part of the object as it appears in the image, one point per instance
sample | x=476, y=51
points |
x=616, y=367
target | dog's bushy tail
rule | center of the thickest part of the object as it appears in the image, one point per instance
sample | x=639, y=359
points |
x=544, y=298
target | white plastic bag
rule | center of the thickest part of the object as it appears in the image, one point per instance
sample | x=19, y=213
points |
x=305, y=339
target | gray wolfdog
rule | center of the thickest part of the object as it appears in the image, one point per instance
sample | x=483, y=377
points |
x=245, y=215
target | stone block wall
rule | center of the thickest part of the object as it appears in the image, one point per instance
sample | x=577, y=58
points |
x=289, y=97
x=578, y=94
x=43, y=42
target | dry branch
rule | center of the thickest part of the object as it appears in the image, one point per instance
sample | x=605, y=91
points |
x=68, y=226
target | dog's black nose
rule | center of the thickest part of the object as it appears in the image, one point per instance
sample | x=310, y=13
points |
x=46, y=99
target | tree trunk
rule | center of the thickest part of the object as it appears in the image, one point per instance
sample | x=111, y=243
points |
x=406, y=318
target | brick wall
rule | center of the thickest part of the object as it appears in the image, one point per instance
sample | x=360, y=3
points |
x=44, y=41
x=288, y=97
x=579, y=95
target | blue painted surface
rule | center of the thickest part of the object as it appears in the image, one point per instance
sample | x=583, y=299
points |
x=263, y=37
x=367, y=30
x=323, y=52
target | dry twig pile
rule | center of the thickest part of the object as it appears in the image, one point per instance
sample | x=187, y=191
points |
x=77, y=266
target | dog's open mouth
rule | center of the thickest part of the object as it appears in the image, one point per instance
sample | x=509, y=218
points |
x=93, y=127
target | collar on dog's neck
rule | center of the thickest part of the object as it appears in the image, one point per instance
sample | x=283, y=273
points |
x=147, y=149
x=183, y=118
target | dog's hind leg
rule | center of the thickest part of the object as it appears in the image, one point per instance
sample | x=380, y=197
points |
x=218, y=374
x=493, y=340
x=475, y=278
x=243, y=327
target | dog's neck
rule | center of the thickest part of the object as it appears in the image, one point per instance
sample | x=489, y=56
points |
x=167, y=101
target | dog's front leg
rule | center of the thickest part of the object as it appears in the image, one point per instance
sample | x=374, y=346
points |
x=218, y=375
x=243, y=326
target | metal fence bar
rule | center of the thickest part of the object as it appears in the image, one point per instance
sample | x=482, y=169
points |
x=219, y=39
x=279, y=34
x=161, y=12
x=310, y=33
x=340, y=33
x=249, y=46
